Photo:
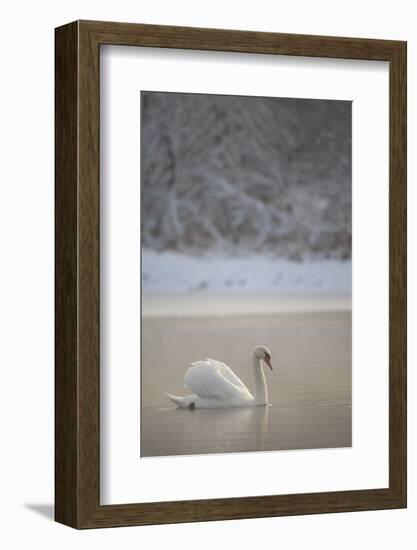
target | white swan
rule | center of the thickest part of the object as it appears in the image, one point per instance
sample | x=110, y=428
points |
x=214, y=385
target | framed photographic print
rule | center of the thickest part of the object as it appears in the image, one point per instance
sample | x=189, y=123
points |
x=230, y=274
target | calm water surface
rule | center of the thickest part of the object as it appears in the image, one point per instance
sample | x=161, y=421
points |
x=309, y=389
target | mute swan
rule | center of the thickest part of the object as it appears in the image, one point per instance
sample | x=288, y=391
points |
x=214, y=385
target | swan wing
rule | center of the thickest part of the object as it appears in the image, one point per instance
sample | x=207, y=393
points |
x=227, y=372
x=212, y=379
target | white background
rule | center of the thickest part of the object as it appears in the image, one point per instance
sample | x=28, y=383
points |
x=26, y=300
x=125, y=478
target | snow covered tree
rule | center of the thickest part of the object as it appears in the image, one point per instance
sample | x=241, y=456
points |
x=241, y=175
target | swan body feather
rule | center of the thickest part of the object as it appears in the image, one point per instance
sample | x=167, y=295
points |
x=214, y=385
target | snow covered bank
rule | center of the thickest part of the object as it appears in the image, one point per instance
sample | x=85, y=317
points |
x=170, y=273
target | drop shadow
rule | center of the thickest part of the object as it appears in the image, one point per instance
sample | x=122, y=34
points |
x=45, y=510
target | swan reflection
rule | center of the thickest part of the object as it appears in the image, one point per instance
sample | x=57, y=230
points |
x=223, y=430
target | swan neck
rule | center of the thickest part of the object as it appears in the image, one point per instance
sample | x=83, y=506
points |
x=261, y=393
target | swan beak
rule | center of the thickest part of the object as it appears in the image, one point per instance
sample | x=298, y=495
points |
x=268, y=362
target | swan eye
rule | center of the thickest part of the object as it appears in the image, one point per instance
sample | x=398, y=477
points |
x=267, y=356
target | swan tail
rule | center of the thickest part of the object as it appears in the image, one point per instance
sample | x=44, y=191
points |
x=186, y=402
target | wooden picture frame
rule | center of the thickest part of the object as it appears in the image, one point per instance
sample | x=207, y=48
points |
x=77, y=374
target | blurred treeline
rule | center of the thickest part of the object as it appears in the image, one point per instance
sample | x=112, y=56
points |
x=244, y=175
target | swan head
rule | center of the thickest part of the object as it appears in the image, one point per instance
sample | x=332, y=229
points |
x=263, y=353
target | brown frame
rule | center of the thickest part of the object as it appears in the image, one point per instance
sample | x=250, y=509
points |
x=77, y=362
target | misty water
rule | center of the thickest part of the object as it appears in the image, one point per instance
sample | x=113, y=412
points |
x=309, y=388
